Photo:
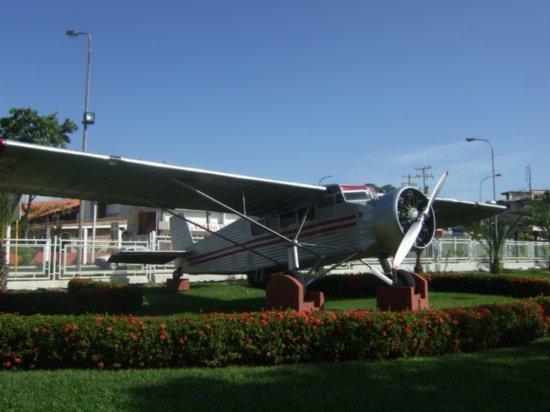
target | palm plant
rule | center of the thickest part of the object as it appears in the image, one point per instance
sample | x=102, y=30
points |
x=493, y=240
x=537, y=213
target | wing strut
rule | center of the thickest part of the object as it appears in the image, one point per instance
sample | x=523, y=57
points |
x=293, y=242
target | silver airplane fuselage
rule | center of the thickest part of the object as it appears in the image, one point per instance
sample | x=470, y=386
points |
x=338, y=225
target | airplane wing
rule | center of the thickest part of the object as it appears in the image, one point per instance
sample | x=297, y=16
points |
x=452, y=212
x=47, y=171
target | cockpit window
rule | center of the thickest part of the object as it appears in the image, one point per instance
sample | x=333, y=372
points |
x=358, y=197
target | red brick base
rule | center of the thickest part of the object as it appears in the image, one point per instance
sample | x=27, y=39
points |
x=397, y=298
x=180, y=285
x=287, y=292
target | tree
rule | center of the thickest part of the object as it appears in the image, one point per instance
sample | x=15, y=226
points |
x=484, y=232
x=8, y=205
x=26, y=125
x=537, y=212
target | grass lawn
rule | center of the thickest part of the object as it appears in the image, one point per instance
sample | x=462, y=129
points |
x=223, y=297
x=503, y=379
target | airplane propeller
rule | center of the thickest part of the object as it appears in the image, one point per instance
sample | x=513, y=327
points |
x=414, y=230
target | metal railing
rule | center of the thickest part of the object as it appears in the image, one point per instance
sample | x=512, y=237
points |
x=36, y=259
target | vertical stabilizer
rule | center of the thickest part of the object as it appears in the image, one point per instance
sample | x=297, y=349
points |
x=181, y=235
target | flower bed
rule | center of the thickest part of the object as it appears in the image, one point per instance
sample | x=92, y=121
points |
x=111, y=342
x=82, y=296
x=365, y=285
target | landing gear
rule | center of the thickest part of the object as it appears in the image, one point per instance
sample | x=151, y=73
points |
x=405, y=278
x=177, y=274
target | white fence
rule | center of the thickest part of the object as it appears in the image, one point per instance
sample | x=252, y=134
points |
x=45, y=260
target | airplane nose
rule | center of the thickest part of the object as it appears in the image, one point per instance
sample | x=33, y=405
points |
x=396, y=211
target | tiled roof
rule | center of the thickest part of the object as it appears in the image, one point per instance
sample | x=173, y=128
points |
x=50, y=207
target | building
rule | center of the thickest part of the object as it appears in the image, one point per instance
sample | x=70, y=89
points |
x=515, y=202
x=59, y=217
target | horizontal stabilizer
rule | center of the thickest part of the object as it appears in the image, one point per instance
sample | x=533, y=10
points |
x=156, y=257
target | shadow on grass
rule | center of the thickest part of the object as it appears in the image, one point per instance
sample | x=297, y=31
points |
x=160, y=302
x=505, y=379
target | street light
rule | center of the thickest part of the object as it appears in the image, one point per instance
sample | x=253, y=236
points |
x=323, y=178
x=484, y=179
x=473, y=139
x=87, y=119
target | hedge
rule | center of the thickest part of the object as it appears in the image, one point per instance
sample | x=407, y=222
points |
x=111, y=342
x=82, y=296
x=365, y=285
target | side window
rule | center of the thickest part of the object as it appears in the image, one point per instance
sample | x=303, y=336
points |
x=310, y=214
x=325, y=202
x=257, y=230
x=287, y=219
x=273, y=222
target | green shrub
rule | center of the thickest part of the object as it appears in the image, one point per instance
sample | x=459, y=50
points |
x=519, y=287
x=82, y=296
x=112, y=342
x=365, y=285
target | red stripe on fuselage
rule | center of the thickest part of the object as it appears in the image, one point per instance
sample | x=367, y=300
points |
x=271, y=241
x=307, y=230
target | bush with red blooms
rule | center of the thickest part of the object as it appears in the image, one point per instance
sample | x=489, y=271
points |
x=113, y=342
x=82, y=296
x=365, y=285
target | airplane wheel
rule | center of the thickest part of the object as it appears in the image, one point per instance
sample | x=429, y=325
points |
x=404, y=278
x=177, y=274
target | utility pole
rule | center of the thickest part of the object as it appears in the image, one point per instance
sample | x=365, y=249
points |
x=425, y=176
x=528, y=178
x=409, y=179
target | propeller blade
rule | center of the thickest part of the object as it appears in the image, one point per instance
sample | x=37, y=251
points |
x=414, y=230
x=436, y=190
x=407, y=243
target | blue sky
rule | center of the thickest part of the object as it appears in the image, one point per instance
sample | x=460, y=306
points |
x=363, y=90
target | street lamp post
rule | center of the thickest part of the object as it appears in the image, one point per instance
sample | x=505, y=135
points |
x=473, y=139
x=484, y=179
x=87, y=119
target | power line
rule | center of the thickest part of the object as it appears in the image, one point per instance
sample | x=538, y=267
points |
x=425, y=176
x=409, y=179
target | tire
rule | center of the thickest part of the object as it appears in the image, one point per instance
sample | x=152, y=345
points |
x=404, y=278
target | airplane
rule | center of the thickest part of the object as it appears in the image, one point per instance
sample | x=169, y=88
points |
x=285, y=227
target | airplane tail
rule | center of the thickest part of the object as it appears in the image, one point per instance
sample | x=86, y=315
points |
x=180, y=234
x=182, y=246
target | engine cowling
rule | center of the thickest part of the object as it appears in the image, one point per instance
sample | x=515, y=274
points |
x=395, y=212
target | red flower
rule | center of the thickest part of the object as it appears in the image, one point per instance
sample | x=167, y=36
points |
x=181, y=340
x=100, y=365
